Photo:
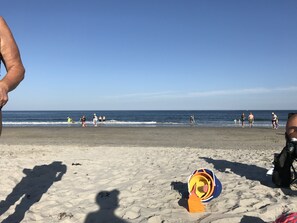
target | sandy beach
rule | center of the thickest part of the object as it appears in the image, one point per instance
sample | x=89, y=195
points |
x=137, y=174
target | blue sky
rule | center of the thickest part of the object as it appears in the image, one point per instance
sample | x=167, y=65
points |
x=156, y=54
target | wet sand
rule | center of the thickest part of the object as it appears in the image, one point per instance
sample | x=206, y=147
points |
x=220, y=138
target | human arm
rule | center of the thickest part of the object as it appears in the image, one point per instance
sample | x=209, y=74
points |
x=11, y=58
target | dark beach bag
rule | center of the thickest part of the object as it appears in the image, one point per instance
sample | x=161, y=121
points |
x=281, y=175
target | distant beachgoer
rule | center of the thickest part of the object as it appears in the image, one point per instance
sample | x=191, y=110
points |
x=100, y=118
x=95, y=119
x=103, y=118
x=274, y=121
x=83, y=121
x=251, y=119
x=69, y=120
x=10, y=56
x=242, y=119
x=192, y=119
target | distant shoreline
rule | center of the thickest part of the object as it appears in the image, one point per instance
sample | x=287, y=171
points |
x=139, y=118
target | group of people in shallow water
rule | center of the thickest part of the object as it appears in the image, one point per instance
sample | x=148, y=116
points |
x=96, y=119
x=251, y=119
x=83, y=120
x=241, y=120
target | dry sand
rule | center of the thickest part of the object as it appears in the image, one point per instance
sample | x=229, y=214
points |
x=137, y=174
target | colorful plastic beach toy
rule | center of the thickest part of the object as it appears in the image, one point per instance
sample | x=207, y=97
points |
x=194, y=202
x=205, y=184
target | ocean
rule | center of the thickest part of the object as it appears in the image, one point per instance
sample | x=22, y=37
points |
x=203, y=118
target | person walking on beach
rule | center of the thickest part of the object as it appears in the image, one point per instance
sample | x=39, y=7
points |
x=242, y=119
x=251, y=119
x=10, y=56
x=274, y=121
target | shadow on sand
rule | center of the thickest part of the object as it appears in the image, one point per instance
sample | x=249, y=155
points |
x=31, y=188
x=182, y=189
x=251, y=172
x=249, y=219
x=108, y=203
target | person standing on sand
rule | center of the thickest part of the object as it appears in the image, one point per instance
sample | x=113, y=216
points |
x=274, y=121
x=251, y=119
x=10, y=56
x=242, y=119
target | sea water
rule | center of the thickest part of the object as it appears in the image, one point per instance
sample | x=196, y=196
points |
x=203, y=118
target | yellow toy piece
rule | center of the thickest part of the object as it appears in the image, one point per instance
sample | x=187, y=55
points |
x=202, y=184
